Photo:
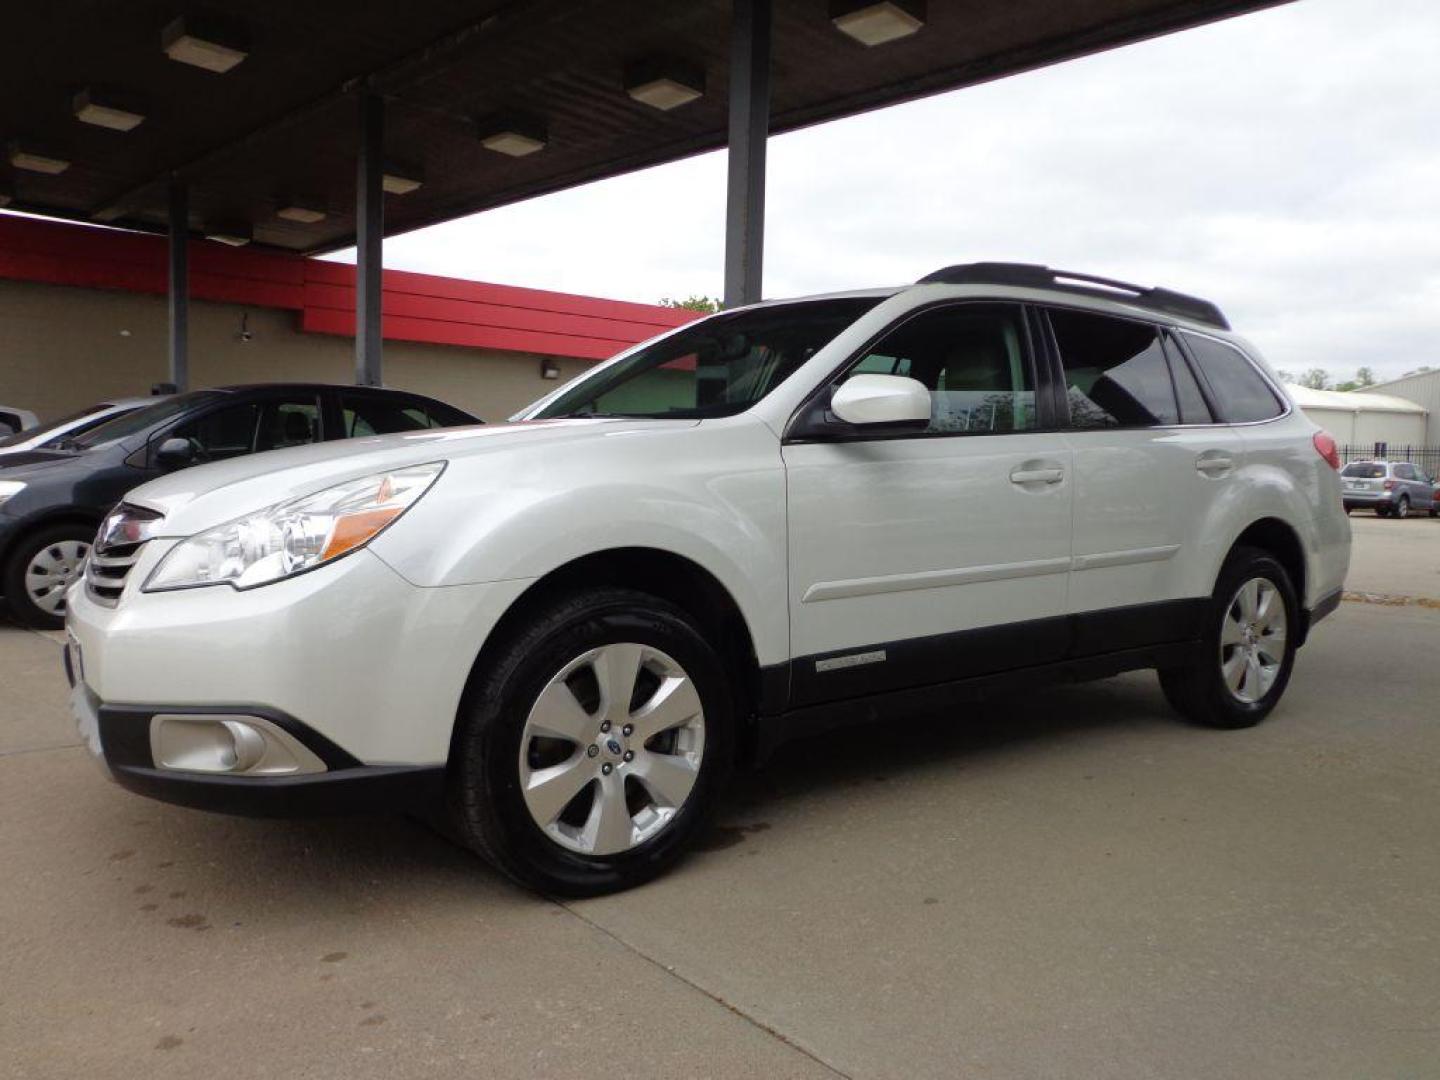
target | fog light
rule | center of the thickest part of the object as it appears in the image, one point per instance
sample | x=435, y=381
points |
x=227, y=744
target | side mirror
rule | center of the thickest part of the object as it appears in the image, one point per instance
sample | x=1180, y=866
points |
x=175, y=454
x=891, y=400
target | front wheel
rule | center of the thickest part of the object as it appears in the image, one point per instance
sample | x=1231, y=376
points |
x=40, y=571
x=593, y=745
x=1248, y=647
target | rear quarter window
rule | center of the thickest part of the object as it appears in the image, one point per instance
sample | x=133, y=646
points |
x=1241, y=393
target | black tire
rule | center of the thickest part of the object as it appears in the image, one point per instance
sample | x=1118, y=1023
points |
x=1199, y=692
x=18, y=601
x=487, y=808
x=1382, y=512
x=1402, y=508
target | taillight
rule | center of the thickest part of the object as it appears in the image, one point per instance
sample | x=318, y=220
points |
x=1326, y=448
x=1389, y=485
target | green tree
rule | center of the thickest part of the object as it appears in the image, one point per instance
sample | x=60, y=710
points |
x=1316, y=379
x=706, y=305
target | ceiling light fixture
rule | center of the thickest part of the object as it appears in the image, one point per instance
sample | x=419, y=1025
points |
x=6, y=195
x=401, y=179
x=204, y=43
x=231, y=233
x=106, y=109
x=876, y=24
x=24, y=156
x=664, y=82
x=515, y=136
x=302, y=211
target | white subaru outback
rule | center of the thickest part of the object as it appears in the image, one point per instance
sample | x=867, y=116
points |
x=566, y=630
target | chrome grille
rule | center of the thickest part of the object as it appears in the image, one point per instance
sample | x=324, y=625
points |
x=116, y=550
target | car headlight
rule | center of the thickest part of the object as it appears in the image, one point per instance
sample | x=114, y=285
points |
x=10, y=488
x=294, y=536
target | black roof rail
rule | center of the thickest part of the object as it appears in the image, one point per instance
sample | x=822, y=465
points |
x=1031, y=275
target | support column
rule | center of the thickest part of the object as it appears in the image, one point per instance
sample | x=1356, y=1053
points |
x=179, y=290
x=749, y=131
x=369, y=232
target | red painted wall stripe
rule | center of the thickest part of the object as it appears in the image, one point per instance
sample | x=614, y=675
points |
x=417, y=307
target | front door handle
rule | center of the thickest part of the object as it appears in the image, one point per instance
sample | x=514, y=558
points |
x=1214, y=463
x=1037, y=474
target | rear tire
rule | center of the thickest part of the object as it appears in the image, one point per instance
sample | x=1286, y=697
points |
x=41, y=566
x=1402, y=508
x=1247, y=649
x=530, y=733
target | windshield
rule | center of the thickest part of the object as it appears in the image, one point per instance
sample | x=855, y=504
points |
x=55, y=425
x=718, y=367
x=141, y=419
x=1366, y=470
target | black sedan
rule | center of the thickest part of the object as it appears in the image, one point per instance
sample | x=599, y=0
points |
x=52, y=501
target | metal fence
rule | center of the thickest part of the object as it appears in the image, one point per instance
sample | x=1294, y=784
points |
x=1427, y=457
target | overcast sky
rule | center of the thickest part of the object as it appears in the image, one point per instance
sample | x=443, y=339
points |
x=1285, y=164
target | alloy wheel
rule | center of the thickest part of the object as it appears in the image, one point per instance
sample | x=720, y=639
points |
x=1252, y=640
x=611, y=749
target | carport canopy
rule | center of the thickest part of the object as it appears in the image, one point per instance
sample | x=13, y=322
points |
x=316, y=125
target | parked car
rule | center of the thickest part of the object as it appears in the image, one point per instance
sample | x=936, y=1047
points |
x=1390, y=488
x=52, y=500
x=50, y=436
x=13, y=419
x=566, y=630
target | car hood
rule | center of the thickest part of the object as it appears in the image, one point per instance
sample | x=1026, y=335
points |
x=207, y=495
x=22, y=458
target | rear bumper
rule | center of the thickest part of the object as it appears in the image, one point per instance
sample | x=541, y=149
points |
x=1366, y=498
x=1325, y=607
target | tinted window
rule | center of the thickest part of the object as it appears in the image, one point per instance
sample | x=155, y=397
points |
x=971, y=359
x=1116, y=374
x=720, y=366
x=141, y=420
x=1365, y=470
x=1405, y=472
x=288, y=423
x=366, y=415
x=1240, y=391
x=221, y=433
x=1193, y=409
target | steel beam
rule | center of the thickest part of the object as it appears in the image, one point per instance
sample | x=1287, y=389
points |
x=749, y=131
x=369, y=233
x=178, y=325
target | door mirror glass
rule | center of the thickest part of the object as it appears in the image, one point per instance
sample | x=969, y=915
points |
x=882, y=399
x=175, y=453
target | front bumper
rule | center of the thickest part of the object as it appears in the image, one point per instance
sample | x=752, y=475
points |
x=350, y=662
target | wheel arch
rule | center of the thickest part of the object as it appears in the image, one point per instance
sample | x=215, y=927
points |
x=667, y=575
x=1281, y=540
x=67, y=516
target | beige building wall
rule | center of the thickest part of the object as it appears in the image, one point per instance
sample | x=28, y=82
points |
x=62, y=348
x=1424, y=390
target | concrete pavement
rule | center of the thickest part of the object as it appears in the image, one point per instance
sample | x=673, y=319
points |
x=1070, y=885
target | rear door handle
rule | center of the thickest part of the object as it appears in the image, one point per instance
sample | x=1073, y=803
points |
x=1214, y=463
x=1040, y=475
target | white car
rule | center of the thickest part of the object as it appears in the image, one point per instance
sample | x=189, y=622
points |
x=52, y=435
x=14, y=419
x=568, y=629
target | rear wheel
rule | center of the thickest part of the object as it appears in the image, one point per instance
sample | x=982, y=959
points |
x=593, y=745
x=1402, y=508
x=1248, y=649
x=41, y=568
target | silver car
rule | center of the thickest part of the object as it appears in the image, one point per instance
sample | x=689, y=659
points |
x=1390, y=488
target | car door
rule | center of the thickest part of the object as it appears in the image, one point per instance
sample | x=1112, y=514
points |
x=1151, y=466
x=927, y=556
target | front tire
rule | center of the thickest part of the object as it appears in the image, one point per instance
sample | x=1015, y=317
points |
x=1248, y=648
x=592, y=746
x=41, y=567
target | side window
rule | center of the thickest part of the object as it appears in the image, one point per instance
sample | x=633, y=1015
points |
x=1405, y=472
x=1241, y=393
x=365, y=415
x=221, y=433
x=288, y=423
x=1193, y=409
x=1116, y=374
x=971, y=359
x=442, y=415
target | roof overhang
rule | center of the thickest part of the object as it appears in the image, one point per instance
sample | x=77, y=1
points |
x=278, y=130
